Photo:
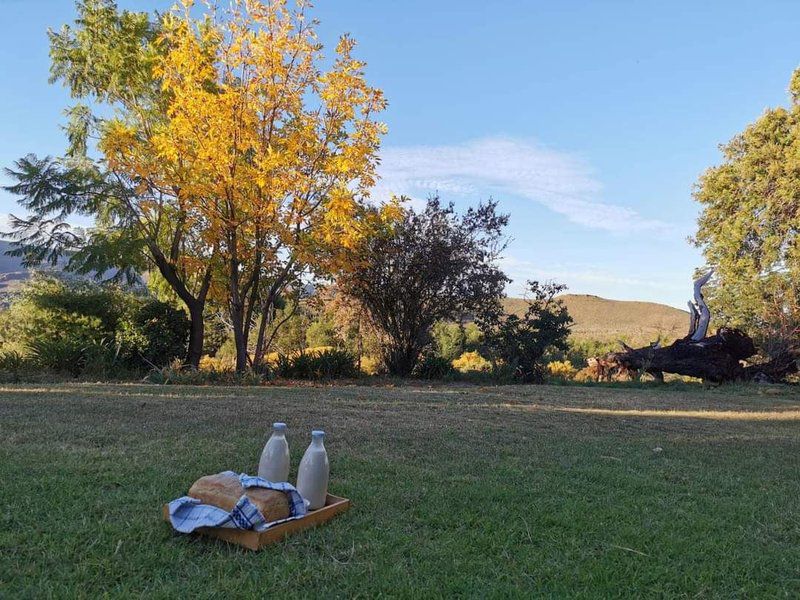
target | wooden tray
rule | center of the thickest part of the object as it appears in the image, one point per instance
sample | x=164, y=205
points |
x=254, y=540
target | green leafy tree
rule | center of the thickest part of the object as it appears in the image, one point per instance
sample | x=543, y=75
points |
x=749, y=226
x=153, y=334
x=321, y=332
x=107, y=60
x=523, y=342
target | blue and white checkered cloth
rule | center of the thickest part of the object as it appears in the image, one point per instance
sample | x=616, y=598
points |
x=187, y=514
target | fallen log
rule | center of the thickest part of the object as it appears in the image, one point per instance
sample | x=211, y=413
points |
x=714, y=358
x=717, y=358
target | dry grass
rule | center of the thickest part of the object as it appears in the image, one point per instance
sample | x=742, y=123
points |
x=609, y=320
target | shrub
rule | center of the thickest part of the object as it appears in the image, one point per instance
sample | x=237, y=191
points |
x=13, y=364
x=321, y=332
x=561, y=369
x=432, y=366
x=371, y=365
x=75, y=326
x=318, y=365
x=215, y=363
x=472, y=362
x=60, y=354
x=522, y=342
x=154, y=334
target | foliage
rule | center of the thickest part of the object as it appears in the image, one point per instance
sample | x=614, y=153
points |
x=73, y=356
x=432, y=366
x=580, y=350
x=325, y=365
x=51, y=306
x=291, y=336
x=521, y=342
x=12, y=361
x=345, y=323
x=216, y=334
x=430, y=266
x=472, y=362
x=154, y=334
x=748, y=229
x=73, y=325
x=142, y=220
x=371, y=365
x=451, y=340
x=279, y=153
x=321, y=332
x=561, y=369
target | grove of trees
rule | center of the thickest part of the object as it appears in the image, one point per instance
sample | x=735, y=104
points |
x=227, y=165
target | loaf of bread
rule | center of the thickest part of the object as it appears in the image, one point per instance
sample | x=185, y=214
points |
x=224, y=490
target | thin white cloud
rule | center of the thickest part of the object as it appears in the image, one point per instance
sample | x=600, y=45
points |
x=521, y=270
x=589, y=279
x=506, y=166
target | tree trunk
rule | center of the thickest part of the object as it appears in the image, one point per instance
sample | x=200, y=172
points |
x=196, y=335
x=401, y=360
x=195, y=303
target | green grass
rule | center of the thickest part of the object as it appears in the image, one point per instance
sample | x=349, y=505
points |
x=498, y=492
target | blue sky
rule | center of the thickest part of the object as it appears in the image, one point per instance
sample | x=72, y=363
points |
x=588, y=121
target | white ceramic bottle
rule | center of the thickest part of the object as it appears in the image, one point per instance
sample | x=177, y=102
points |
x=312, y=476
x=274, y=463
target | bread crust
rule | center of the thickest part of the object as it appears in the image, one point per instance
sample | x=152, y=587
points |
x=224, y=491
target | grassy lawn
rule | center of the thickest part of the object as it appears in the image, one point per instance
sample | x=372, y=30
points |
x=510, y=491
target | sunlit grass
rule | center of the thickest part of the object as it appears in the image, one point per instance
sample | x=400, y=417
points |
x=513, y=491
x=714, y=415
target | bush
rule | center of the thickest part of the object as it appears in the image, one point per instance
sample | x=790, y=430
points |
x=319, y=365
x=472, y=362
x=453, y=339
x=321, y=332
x=13, y=364
x=371, y=365
x=62, y=355
x=154, y=334
x=579, y=351
x=431, y=366
x=522, y=342
x=215, y=363
x=50, y=308
x=561, y=369
x=76, y=326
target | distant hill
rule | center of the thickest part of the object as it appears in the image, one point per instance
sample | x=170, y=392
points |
x=595, y=318
x=609, y=320
x=12, y=273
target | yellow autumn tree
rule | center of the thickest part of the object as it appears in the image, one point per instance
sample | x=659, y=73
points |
x=274, y=155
